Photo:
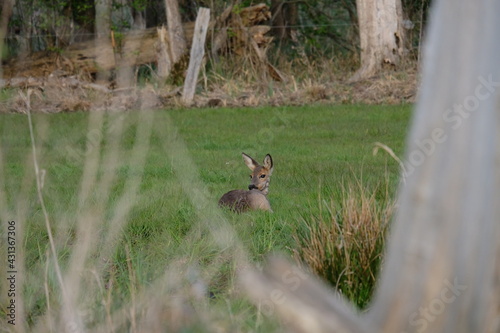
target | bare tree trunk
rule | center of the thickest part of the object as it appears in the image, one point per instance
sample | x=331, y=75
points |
x=163, y=55
x=278, y=21
x=4, y=23
x=293, y=18
x=178, y=45
x=103, y=29
x=381, y=35
x=284, y=18
x=25, y=36
x=139, y=20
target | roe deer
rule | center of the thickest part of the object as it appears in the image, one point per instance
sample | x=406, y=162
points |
x=256, y=196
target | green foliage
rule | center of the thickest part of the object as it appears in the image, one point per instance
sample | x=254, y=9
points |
x=82, y=11
x=320, y=28
x=237, y=8
x=146, y=74
x=140, y=4
x=331, y=25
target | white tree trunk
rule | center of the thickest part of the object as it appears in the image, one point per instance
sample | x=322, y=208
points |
x=381, y=35
x=177, y=40
x=442, y=269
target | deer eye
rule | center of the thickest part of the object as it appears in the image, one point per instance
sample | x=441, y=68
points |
x=262, y=176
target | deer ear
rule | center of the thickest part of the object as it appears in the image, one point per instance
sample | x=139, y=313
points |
x=250, y=162
x=268, y=162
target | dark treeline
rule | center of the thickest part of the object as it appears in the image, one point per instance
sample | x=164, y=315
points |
x=320, y=27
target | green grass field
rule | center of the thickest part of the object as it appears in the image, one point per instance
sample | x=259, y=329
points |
x=131, y=200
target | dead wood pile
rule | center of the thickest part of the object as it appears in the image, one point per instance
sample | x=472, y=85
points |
x=239, y=32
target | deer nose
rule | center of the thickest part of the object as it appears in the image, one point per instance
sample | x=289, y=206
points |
x=252, y=187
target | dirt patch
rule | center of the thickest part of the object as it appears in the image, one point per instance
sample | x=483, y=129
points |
x=70, y=94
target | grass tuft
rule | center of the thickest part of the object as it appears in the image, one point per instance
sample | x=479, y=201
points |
x=344, y=242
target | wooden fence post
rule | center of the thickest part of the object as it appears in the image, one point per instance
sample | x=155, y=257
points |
x=196, y=55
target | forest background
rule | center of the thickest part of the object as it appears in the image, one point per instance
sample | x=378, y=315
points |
x=258, y=53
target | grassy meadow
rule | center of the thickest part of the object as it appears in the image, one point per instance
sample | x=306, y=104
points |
x=130, y=210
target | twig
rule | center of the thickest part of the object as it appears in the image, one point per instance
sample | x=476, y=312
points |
x=47, y=294
x=26, y=97
x=392, y=154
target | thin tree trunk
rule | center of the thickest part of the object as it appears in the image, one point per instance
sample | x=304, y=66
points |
x=293, y=18
x=178, y=45
x=25, y=36
x=103, y=30
x=278, y=20
x=164, y=62
x=4, y=23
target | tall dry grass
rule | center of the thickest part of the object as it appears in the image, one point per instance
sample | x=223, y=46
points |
x=344, y=243
x=84, y=277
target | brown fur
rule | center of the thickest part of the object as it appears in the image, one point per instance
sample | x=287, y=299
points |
x=256, y=196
